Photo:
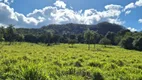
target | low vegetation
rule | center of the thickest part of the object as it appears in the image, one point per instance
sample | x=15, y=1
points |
x=29, y=61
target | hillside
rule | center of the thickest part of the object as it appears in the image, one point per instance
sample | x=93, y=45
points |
x=71, y=28
x=22, y=61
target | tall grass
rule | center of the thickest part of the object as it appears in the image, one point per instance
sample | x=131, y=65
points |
x=28, y=61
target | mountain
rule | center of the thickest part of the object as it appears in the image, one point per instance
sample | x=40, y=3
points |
x=104, y=27
x=101, y=28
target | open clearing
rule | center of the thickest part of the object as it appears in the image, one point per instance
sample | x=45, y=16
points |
x=27, y=61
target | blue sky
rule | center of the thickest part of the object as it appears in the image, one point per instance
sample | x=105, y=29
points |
x=37, y=13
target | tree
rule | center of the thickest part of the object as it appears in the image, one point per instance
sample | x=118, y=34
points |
x=10, y=33
x=64, y=38
x=105, y=41
x=80, y=38
x=49, y=35
x=111, y=37
x=30, y=38
x=88, y=35
x=1, y=40
x=2, y=32
x=138, y=44
x=19, y=37
x=96, y=38
x=127, y=43
x=72, y=39
x=42, y=38
x=117, y=39
x=56, y=38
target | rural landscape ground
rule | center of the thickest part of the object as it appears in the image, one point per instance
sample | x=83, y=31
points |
x=29, y=61
x=70, y=40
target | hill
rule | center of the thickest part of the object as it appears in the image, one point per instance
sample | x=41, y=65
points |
x=71, y=28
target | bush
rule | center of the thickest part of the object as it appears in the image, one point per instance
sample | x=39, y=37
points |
x=33, y=73
x=127, y=43
x=98, y=76
x=138, y=44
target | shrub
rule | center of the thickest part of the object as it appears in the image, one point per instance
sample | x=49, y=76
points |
x=78, y=64
x=98, y=76
x=32, y=73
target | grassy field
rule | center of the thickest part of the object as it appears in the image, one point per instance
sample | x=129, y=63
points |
x=27, y=61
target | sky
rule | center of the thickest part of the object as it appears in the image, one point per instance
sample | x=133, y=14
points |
x=38, y=13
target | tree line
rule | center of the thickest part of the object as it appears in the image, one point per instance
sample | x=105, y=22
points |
x=122, y=37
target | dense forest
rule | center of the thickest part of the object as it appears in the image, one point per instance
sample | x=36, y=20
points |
x=102, y=33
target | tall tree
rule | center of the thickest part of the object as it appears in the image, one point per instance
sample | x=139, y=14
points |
x=80, y=38
x=96, y=38
x=56, y=38
x=111, y=37
x=72, y=39
x=2, y=32
x=127, y=43
x=49, y=35
x=10, y=33
x=88, y=35
x=138, y=44
x=30, y=38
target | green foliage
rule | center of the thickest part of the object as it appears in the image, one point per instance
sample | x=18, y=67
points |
x=80, y=38
x=72, y=40
x=138, y=44
x=98, y=76
x=30, y=38
x=105, y=27
x=96, y=38
x=32, y=73
x=49, y=35
x=2, y=34
x=111, y=37
x=70, y=33
x=1, y=38
x=10, y=33
x=89, y=35
x=105, y=41
x=127, y=43
x=29, y=61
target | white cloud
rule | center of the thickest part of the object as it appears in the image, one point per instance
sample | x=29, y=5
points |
x=127, y=12
x=7, y=1
x=132, y=29
x=113, y=7
x=60, y=4
x=129, y=6
x=116, y=21
x=59, y=14
x=132, y=5
x=140, y=20
x=138, y=3
x=9, y=16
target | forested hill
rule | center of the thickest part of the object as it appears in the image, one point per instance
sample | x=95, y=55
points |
x=71, y=28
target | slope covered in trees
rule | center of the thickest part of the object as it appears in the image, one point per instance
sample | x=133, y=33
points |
x=103, y=33
x=71, y=28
